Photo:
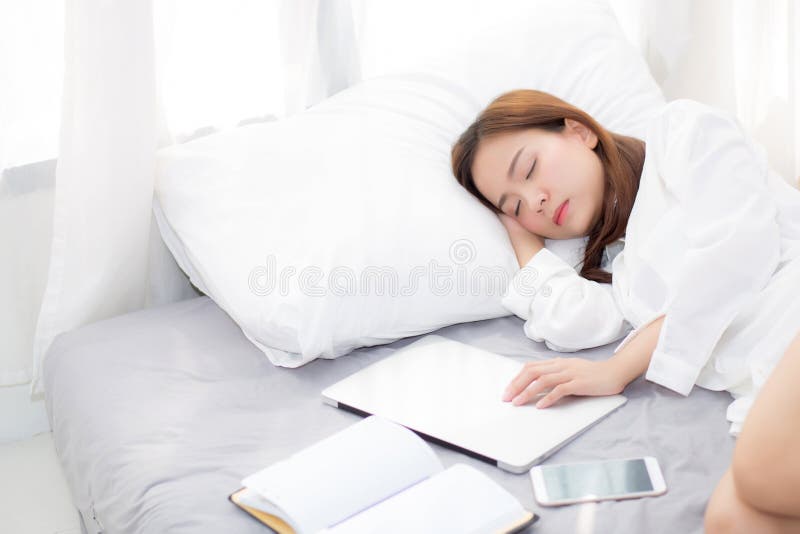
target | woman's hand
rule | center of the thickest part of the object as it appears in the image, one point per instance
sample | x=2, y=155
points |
x=564, y=376
x=526, y=244
x=511, y=224
x=577, y=376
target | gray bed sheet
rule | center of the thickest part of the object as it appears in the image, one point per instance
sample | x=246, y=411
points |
x=157, y=416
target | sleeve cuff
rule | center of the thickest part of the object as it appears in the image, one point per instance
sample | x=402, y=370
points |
x=556, y=348
x=528, y=281
x=672, y=372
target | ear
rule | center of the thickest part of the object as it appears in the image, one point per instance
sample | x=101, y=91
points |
x=585, y=134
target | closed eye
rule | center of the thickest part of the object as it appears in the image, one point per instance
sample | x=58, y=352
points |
x=516, y=211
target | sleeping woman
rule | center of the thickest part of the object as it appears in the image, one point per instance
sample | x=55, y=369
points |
x=707, y=273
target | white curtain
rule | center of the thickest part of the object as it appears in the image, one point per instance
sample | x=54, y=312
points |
x=741, y=55
x=134, y=80
x=31, y=36
x=104, y=176
x=319, y=50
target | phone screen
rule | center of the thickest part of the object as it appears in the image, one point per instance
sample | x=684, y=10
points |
x=600, y=479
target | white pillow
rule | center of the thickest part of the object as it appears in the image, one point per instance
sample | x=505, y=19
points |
x=361, y=184
x=357, y=185
x=574, y=49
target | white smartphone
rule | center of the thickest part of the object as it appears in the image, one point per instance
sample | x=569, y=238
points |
x=628, y=478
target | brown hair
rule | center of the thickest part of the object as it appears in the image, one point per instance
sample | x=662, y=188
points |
x=622, y=158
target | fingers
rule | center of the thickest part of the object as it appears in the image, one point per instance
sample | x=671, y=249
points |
x=510, y=223
x=561, y=390
x=530, y=372
x=538, y=386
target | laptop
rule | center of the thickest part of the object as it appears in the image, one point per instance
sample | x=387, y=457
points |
x=450, y=393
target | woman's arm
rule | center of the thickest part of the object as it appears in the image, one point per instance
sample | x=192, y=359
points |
x=560, y=308
x=578, y=376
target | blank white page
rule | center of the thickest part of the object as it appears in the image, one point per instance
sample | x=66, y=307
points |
x=345, y=473
x=459, y=500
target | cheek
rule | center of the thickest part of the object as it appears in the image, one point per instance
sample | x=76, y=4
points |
x=585, y=176
x=533, y=223
x=595, y=181
x=563, y=170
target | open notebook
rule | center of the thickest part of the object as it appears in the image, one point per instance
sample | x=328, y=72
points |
x=377, y=476
x=450, y=393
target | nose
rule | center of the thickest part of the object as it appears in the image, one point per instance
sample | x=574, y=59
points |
x=535, y=197
x=537, y=200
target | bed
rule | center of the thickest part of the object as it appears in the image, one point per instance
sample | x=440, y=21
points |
x=157, y=415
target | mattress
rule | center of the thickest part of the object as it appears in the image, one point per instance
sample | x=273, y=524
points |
x=157, y=415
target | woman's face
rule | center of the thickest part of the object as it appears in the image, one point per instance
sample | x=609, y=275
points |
x=529, y=174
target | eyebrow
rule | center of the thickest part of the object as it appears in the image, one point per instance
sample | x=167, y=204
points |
x=510, y=173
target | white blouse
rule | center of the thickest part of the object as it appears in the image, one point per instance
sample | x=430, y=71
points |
x=711, y=227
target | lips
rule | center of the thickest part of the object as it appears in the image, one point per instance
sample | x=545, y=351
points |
x=560, y=209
